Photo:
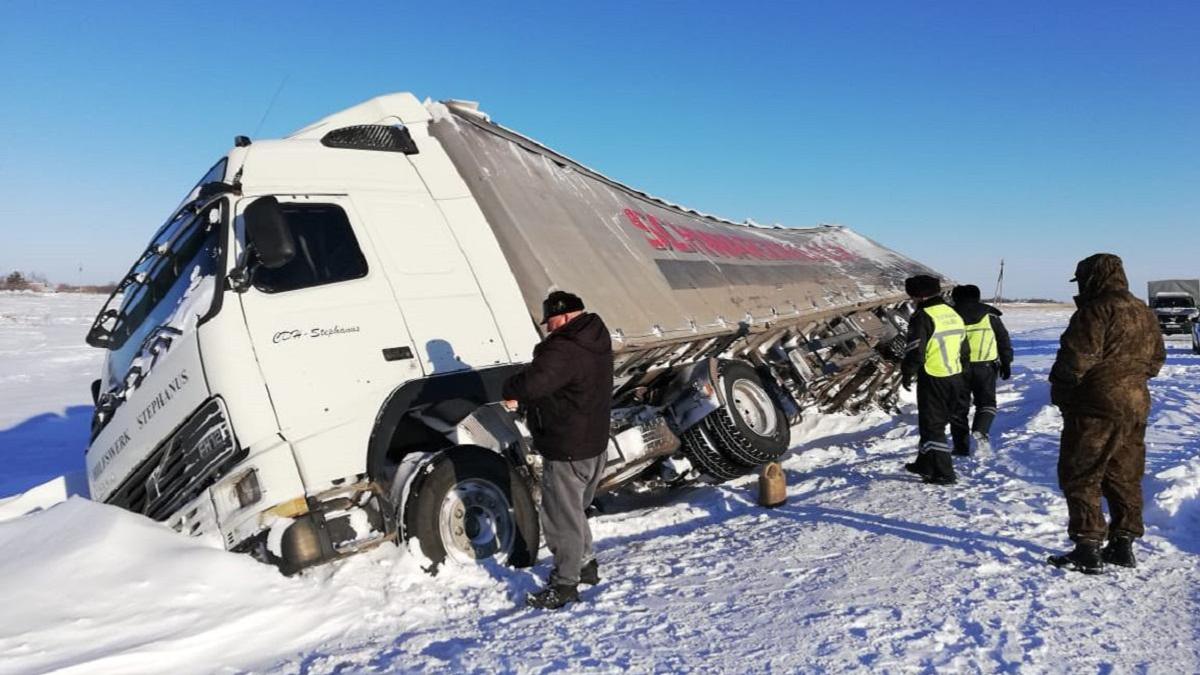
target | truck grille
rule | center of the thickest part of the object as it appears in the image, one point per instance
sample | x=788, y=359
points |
x=199, y=452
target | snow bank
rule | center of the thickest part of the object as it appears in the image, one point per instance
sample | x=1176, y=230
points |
x=114, y=592
x=1177, y=506
x=104, y=590
x=54, y=491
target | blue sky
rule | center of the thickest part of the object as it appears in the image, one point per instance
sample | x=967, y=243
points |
x=958, y=133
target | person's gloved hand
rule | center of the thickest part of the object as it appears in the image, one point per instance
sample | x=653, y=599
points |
x=906, y=381
x=1005, y=371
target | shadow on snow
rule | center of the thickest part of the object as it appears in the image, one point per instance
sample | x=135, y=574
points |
x=43, y=447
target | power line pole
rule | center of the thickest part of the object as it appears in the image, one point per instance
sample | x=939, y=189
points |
x=999, y=285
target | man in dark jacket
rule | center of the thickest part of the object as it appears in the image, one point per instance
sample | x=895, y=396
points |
x=1110, y=349
x=566, y=392
x=991, y=354
x=936, y=351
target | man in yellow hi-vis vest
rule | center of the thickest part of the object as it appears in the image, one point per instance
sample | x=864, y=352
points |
x=935, y=354
x=991, y=355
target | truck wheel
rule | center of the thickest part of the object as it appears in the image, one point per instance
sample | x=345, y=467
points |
x=706, y=455
x=750, y=428
x=470, y=506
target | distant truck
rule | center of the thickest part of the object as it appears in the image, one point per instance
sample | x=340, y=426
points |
x=1176, y=303
x=306, y=360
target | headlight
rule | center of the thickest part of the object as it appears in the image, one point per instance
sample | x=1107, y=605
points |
x=247, y=490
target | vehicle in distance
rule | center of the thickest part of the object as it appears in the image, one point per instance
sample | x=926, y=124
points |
x=1176, y=303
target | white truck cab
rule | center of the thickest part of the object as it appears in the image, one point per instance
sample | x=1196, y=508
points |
x=306, y=360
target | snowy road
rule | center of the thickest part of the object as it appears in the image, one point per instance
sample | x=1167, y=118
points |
x=865, y=568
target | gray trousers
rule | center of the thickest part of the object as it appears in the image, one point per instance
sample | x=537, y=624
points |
x=567, y=489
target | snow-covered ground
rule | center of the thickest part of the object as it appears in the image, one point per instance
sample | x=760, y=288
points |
x=46, y=372
x=864, y=568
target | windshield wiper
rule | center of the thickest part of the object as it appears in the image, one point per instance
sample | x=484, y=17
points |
x=101, y=335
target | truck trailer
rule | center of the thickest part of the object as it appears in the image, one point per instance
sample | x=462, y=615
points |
x=1176, y=303
x=306, y=360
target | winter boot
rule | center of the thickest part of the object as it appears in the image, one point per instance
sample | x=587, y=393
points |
x=553, y=596
x=983, y=445
x=1084, y=558
x=941, y=469
x=919, y=466
x=590, y=573
x=1119, y=551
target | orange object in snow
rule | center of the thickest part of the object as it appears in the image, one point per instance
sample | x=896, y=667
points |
x=772, y=486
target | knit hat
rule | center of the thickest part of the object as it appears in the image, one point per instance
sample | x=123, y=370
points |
x=560, y=302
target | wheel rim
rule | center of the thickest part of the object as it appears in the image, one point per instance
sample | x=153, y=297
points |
x=755, y=407
x=476, y=521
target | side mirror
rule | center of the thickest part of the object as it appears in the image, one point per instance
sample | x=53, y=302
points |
x=210, y=190
x=267, y=232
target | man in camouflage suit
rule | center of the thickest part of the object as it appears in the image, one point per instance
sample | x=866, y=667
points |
x=1108, y=352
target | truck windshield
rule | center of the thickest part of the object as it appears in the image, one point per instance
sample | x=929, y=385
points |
x=165, y=283
x=1173, y=302
x=171, y=281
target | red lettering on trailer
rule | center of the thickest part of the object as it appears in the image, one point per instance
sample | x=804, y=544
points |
x=651, y=236
x=697, y=240
x=666, y=236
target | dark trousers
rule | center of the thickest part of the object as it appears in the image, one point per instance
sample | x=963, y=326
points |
x=1102, y=457
x=937, y=400
x=980, y=388
x=568, y=487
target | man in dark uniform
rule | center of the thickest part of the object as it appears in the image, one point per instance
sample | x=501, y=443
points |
x=991, y=354
x=1109, y=351
x=566, y=392
x=936, y=351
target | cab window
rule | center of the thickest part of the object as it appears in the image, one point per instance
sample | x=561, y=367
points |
x=326, y=250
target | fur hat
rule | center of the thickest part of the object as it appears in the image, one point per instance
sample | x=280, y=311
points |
x=966, y=293
x=922, y=286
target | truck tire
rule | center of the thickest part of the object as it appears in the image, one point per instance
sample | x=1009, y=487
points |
x=706, y=455
x=750, y=428
x=470, y=504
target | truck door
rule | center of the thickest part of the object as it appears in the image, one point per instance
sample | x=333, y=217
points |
x=328, y=335
x=444, y=308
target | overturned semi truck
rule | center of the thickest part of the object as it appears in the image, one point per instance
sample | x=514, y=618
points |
x=306, y=360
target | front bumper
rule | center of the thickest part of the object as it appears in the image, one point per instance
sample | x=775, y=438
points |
x=1170, y=328
x=202, y=483
x=218, y=513
x=284, y=527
